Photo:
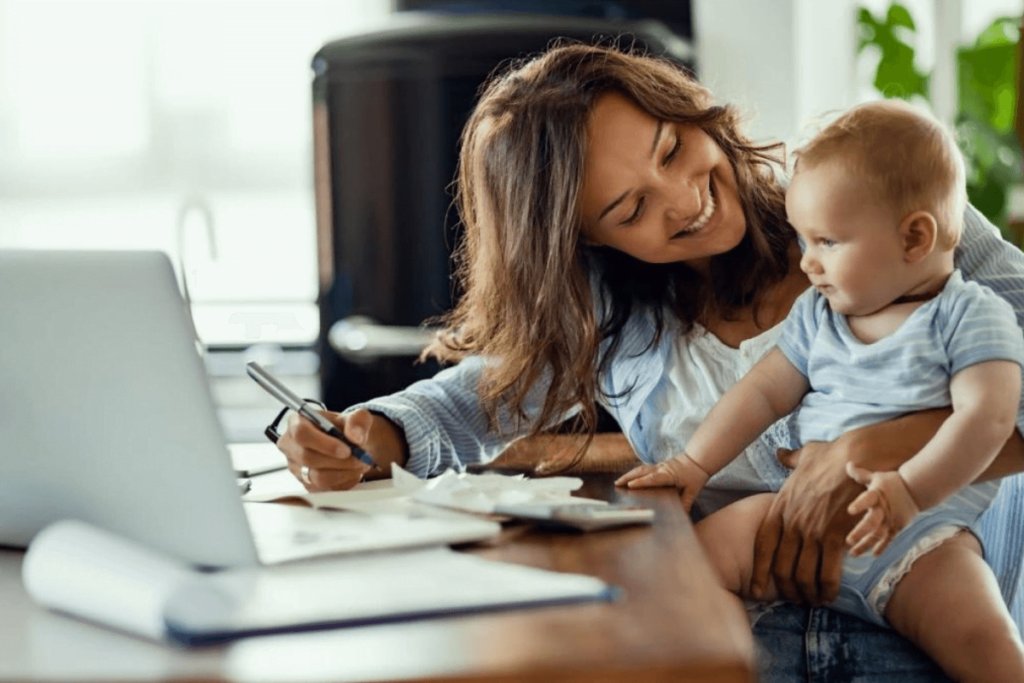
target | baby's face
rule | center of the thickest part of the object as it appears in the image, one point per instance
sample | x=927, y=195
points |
x=853, y=253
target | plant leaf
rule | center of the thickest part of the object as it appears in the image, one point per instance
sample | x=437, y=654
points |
x=900, y=16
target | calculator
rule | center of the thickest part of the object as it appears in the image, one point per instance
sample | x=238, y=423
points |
x=580, y=516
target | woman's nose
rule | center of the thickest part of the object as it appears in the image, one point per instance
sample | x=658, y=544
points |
x=683, y=201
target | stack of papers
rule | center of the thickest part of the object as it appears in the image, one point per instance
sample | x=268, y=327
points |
x=285, y=533
x=463, y=492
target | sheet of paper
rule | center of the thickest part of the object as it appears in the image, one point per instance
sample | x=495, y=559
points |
x=249, y=459
x=405, y=493
x=80, y=569
x=284, y=533
x=482, y=493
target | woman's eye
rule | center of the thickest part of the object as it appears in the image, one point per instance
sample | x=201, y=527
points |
x=672, y=152
x=636, y=213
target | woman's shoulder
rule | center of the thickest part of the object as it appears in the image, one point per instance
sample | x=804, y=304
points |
x=980, y=240
x=962, y=298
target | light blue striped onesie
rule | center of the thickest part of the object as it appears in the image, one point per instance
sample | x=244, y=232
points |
x=854, y=384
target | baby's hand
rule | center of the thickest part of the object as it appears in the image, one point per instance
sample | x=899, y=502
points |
x=888, y=508
x=680, y=471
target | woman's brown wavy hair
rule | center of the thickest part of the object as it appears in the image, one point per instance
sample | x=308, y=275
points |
x=522, y=268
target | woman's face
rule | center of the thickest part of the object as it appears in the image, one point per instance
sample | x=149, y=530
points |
x=658, y=191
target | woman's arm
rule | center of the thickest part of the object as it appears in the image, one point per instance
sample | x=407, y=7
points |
x=546, y=454
x=432, y=425
x=442, y=420
x=986, y=258
x=801, y=542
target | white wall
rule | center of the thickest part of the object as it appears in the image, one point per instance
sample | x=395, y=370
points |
x=786, y=62
x=782, y=61
x=116, y=114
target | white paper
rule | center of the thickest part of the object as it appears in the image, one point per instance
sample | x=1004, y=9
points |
x=285, y=533
x=482, y=493
x=83, y=570
x=473, y=493
x=260, y=457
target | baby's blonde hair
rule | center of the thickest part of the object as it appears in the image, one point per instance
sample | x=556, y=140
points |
x=907, y=158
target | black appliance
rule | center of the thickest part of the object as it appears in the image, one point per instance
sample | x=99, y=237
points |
x=389, y=107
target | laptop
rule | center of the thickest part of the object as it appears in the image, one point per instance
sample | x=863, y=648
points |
x=106, y=416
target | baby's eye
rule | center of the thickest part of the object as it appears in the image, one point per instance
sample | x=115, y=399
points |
x=826, y=242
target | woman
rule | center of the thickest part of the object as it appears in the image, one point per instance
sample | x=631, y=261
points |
x=627, y=244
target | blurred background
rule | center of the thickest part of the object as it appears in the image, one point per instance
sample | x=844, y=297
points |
x=293, y=156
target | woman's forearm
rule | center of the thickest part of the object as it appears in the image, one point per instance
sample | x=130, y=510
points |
x=1009, y=461
x=808, y=518
x=551, y=453
x=887, y=445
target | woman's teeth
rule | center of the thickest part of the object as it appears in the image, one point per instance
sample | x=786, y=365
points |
x=703, y=218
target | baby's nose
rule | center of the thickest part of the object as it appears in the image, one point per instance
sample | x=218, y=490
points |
x=808, y=263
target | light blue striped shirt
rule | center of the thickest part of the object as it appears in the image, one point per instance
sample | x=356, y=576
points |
x=445, y=426
x=854, y=384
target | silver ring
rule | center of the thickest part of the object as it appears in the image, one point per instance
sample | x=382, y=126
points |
x=304, y=474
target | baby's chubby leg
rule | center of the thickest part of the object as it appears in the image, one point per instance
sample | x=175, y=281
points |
x=949, y=604
x=728, y=540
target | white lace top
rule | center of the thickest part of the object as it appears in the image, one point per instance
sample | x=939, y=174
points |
x=699, y=369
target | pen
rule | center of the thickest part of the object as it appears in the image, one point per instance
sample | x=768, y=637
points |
x=329, y=428
x=275, y=388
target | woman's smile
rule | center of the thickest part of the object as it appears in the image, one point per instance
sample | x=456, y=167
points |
x=659, y=191
x=708, y=218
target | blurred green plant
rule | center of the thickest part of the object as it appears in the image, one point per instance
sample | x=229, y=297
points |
x=987, y=94
x=893, y=35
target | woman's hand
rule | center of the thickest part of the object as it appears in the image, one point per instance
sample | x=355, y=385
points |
x=323, y=463
x=680, y=471
x=801, y=542
x=802, y=539
x=886, y=508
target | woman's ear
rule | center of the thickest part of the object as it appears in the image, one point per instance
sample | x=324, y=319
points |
x=918, y=232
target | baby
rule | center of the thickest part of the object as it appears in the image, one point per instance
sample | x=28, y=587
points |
x=888, y=327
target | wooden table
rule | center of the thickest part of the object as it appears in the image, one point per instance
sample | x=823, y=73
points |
x=672, y=623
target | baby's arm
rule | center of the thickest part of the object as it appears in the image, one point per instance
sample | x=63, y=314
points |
x=985, y=400
x=771, y=390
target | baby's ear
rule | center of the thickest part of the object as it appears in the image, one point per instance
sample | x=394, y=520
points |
x=918, y=232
